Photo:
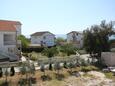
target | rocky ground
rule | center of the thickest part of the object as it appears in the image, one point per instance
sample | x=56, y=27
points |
x=92, y=78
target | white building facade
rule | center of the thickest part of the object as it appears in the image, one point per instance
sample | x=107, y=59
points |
x=9, y=31
x=43, y=38
x=75, y=38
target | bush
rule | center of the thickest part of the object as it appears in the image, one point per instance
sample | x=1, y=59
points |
x=33, y=56
x=46, y=77
x=88, y=68
x=29, y=50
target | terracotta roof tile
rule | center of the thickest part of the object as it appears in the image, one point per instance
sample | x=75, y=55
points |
x=8, y=25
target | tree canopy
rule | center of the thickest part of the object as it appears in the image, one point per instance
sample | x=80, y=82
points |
x=68, y=49
x=96, y=38
x=24, y=41
x=50, y=52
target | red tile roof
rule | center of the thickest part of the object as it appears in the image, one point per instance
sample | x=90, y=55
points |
x=6, y=25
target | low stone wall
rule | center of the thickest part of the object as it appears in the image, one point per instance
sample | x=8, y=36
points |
x=108, y=58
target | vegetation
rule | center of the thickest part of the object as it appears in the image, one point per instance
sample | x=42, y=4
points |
x=33, y=56
x=96, y=39
x=110, y=75
x=89, y=68
x=59, y=40
x=50, y=52
x=24, y=41
x=68, y=49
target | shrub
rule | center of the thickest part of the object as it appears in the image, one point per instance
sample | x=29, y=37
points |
x=33, y=56
x=71, y=65
x=88, y=68
x=29, y=49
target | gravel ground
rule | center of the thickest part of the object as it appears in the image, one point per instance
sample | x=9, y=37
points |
x=98, y=79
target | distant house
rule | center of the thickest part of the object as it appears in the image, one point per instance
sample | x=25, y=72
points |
x=9, y=30
x=75, y=38
x=44, y=38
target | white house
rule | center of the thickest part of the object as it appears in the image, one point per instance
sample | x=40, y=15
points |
x=44, y=38
x=9, y=30
x=75, y=38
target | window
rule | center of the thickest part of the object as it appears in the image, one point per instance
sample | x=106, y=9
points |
x=9, y=39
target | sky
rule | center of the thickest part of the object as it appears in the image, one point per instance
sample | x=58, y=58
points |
x=57, y=16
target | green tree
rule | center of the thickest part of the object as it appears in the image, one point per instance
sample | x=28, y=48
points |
x=96, y=39
x=68, y=49
x=50, y=52
x=25, y=42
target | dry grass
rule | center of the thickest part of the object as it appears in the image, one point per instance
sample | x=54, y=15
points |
x=67, y=80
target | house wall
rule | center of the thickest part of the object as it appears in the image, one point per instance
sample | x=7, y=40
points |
x=11, y=47
x=47, y=39
x=108, y=58
x=18, y=29
x=36, y=39
x=79, y=39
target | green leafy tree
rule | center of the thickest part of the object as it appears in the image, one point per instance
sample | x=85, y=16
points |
x=25, y=42
x=50, y=52
x=96, y=39
x=68, y=49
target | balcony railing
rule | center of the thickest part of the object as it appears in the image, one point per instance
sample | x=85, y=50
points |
x=9, y=43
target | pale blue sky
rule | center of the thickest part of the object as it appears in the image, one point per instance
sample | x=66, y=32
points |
x=57, y=16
